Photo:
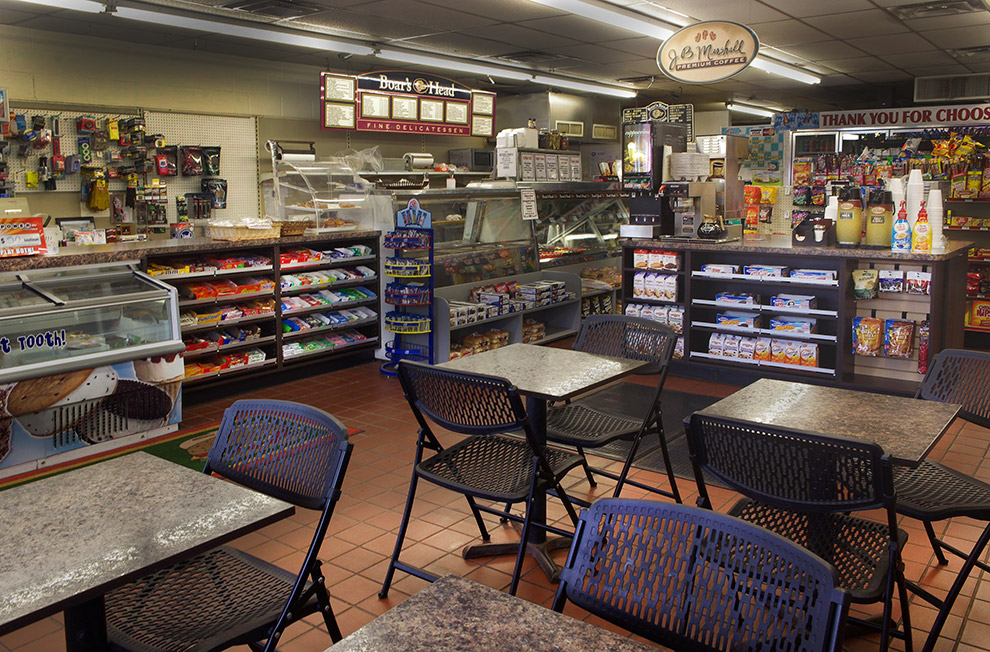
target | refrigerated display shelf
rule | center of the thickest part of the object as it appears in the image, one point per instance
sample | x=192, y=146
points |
x=188, y=355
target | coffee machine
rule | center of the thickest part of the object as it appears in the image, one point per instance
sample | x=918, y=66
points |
x=689, y=202
x=646, y=147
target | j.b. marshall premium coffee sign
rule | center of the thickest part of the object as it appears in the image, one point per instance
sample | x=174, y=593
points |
x=708, y=52
x=405, y=102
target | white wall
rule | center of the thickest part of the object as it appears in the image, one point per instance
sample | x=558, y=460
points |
x=708, y=123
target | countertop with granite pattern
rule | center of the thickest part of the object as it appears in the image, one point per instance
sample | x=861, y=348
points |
x=457, y=615
x=546, y=372
x=133, y=251
x=782, y=245
x=905, y=428
x=89, y=530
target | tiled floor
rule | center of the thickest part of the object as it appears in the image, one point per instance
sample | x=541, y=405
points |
x=362, y=532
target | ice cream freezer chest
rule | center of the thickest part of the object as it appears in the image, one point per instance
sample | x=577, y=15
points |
x=89, y=361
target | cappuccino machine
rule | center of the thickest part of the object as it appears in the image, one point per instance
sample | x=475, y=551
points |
x=674, y=189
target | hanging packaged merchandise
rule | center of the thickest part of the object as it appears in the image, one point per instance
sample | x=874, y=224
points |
x=85, y=150
x=191, y=161
x=211, y=161
x=100, y=140
x=118, y=212
x=898, y=338
x=154, y=140
x=135, y=127
x=217, y=189
x=167, y=161
x=924, y=331
x=98, y=198
x=867, y=336
x=865, y=282
x=85, y=124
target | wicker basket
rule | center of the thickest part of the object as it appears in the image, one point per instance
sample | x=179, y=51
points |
x=294, y=227
x=238, y=233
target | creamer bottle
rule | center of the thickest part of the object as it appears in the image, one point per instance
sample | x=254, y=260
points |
x=900, y=239
x=922, y=231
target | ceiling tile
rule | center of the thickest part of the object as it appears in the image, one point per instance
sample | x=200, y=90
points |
x=644, y=47
x=803, y=8
x=838, y=80
x=524, y=38
x=461, y=44
x=419, y=13
x=857, y=64
x=979, y=67
x=501, y=10
x=581, y=29
x=930, y=71
x=824, y=50
x=12, y=16
x=960, y=37
x=889, y=44
x=881, y=77
x=595, y=53
x=874, y=22
x=102, y=25
x=742, y=11
x=782, y=33
x=919, y=59
x=376, y=27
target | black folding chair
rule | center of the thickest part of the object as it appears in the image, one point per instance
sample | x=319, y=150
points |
x=587, y=423
x=486, y=465
x=803, y=486
x=934, y=492
x=693, y=579
x=226, y=597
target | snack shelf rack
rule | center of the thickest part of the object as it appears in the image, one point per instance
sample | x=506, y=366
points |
x=418, y=246
x=787, y=335
x=763, y=363
x=811, y=312
x=327, y=329
x=349, y=348
x=272, y=338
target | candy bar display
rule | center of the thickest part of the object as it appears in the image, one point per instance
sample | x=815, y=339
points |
x=407, y=294
x=322, y=321
x=398, y=322
x=407, y=239
x=322, y=343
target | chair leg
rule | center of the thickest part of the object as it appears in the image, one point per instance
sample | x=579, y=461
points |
x=587, y=467
x=671, y=478
x=524, y=537
x=888, y=604
x=627, y=465
x=400, y=537
x=930, y=531
x=905, y=609
x=323, y=599
x=485, y=536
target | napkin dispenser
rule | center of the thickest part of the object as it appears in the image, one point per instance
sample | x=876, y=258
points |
x=418, y=160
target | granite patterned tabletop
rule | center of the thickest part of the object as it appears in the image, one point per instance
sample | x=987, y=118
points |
x=457, y=615
x=547, y=372
x=74, y=536
x=906, y=428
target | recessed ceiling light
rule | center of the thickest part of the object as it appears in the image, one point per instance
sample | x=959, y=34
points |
x=935, y=9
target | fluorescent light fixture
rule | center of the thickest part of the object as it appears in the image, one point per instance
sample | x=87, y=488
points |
x=613, y=17
x=76, y=5
x=451, y=64
x=242, y=31
x=783, y=70
x=752, y=110
x=850, y=136
x=582, y=86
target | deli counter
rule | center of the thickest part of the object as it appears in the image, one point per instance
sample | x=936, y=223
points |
x=89, y=360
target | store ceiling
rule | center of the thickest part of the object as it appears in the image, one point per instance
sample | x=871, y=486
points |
x=865, y=54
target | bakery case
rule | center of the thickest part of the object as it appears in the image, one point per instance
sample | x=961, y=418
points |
x=89, y=357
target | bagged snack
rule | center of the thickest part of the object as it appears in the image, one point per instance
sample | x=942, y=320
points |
x=716, y=344
x=809, y=354
x=730, y=348
x=818, y=195
x=654, y=286
x=792, y=352
x=918, y=282
x=802, y=196
x=865, y=283
x=752, y=195
x=679, y=349
x=867, y=336
x=211, y=161
x=768, y=195
x=762, y=349
x=660, y=314
x=924, y=331
x=766, y=214
x=898, y=338
x=891, y=280
x=747, y=348
x=633, y=309
x=777, y=350
x=675, y=319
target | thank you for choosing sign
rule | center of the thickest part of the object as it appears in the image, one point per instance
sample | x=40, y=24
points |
x=708, y=52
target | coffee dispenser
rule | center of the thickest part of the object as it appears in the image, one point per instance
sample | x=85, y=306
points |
x=645, y=149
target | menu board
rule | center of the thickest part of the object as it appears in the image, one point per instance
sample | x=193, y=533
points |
x=405, y=108
x=339, y=116
x=409, y=102
x=338, y=88
x=375, y=106
x=431, y=110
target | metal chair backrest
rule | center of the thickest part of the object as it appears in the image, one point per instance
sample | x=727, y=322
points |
x=792, y=470
x=293, y=452
x=472, y=404
x=963, y=378
x=693, y=579
x=635, y=338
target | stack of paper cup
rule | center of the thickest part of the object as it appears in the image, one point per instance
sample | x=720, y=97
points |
x=915, y=194
x=896, y=187
x=934, y=208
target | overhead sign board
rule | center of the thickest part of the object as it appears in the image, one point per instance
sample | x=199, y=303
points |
x=916, y=116
x=708, y=52
x=405, y=102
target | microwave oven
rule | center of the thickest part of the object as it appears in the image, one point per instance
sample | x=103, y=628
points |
x=475, y=160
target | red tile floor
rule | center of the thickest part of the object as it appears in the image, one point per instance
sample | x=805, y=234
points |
x=363, y=528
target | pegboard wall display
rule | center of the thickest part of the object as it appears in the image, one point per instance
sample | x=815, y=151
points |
x=237, y=138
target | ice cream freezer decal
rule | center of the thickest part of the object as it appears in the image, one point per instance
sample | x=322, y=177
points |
x=44, y=416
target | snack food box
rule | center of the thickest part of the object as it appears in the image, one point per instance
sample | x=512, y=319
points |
x=720, y=269
x=730, y=348
x=679, y=349
x=803, y=301
x=747, y=348
x=743, y=299
x=980, y=314
x=716, y=343
x=802, y=325
x=738, y=319
x=814, y=274
x=675, y=318
x=765, y=270
x=633, y=309
x=641, y=258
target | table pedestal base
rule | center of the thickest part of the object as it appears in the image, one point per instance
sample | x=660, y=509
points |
x=538, y=551
x=86, y=627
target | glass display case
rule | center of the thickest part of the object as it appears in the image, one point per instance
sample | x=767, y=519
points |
x=73, y=318
x=579, y=223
